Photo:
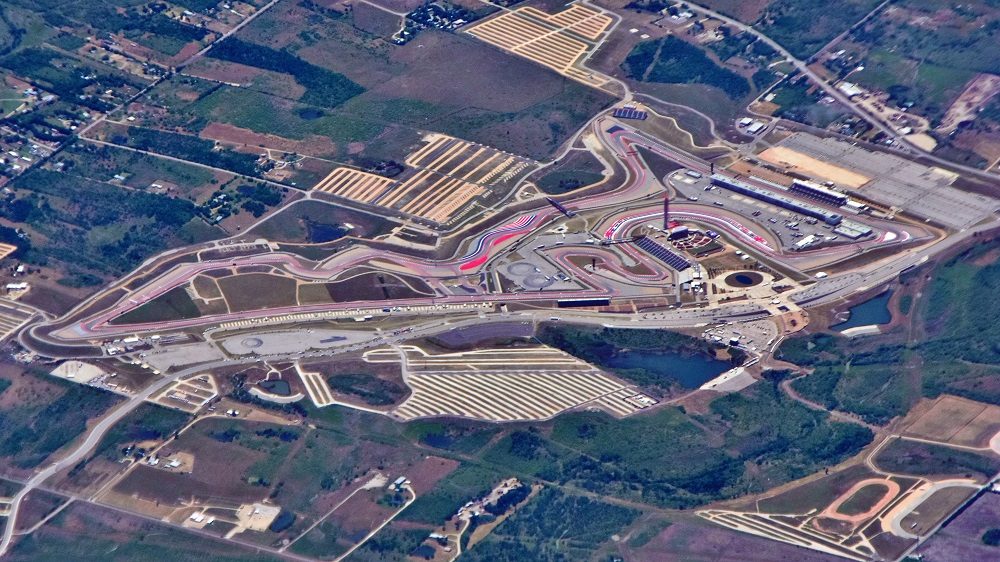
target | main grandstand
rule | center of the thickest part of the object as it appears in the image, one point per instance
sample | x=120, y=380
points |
x=777, y=199
x=819, y=192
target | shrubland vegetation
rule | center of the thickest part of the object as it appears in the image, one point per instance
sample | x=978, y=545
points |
x=369, y=388
x=673, y=61
x=902, y=456
x=958, y=354
x=108, y=232
x=324, y=87
x=188, y=147
x=553, y=526
x=33, y=432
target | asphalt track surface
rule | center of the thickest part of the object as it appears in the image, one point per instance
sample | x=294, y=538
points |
x=483, y=247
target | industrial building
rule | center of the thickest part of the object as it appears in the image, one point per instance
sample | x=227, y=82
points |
x=819, y=192
x=852, y=230
x=776, y=199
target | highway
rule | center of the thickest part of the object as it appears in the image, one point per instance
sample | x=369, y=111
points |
x=836, y=94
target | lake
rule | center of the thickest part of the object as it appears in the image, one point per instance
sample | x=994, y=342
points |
x=872, y=311
x=690, y=371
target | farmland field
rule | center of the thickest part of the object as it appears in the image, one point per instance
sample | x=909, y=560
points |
x=450, y=83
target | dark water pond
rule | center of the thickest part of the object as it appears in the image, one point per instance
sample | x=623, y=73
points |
x=691, y=371
x=873, y=311
x=278, y=387
x=321, y=232
x=310, y=113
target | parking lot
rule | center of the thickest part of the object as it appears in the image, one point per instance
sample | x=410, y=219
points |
x=787, y=226
x=914, y=188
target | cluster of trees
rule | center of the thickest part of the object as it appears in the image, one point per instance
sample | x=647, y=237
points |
x=957, y=355
x=324, y=87
x=553, y=526
x=371, y=389
x=674, y=61
x=189, y=147
x=31, y=436
x=144, y=223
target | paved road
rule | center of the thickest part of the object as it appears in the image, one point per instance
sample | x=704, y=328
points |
x=93, y=437
x=836, y=94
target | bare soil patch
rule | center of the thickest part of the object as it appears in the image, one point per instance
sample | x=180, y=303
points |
x=245, y=138
x=958, y=421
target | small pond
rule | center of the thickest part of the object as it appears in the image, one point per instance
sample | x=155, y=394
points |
x=691, y=371
x=872, y=311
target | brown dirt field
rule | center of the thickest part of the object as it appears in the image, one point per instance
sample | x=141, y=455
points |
x=245, y=138
x=399, y=5
x=25, y=390
x=146, y=506
x=425, y=474
x=325, y=502
x=786, y=157
x=746, y=168
x=374, y=19
x=257, y=291
x=212, y=478
x=185, y=53
x=747, y=11
x=983, y=143
x=890, y=491
x=35, y=506
x=451, y=69
x=978, y=91
x=957, y=420
x=360, y=514
x=223, y=71
x=935, y=508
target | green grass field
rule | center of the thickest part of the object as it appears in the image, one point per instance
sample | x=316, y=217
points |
x=925, y=459
x=863, y=500
x=175, y=304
